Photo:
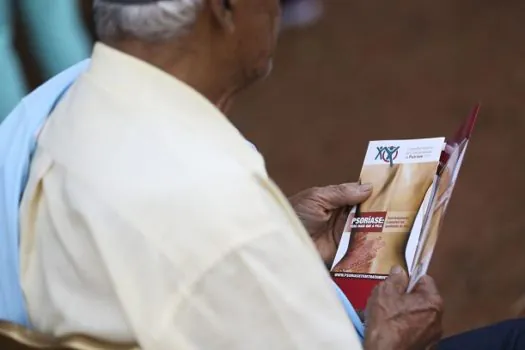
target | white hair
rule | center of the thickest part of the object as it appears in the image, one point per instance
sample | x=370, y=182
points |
x=158, y=21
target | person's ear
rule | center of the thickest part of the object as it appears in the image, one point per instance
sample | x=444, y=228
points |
x=223, y=12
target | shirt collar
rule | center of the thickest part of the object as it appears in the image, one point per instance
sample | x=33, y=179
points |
x=162, y=94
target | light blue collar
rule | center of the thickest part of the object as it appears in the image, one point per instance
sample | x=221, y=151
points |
x=18, y=135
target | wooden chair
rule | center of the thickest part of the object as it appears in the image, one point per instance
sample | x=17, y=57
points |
x=14, y=337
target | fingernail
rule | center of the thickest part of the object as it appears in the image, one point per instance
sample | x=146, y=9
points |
x=396, y=270
x=366, y=187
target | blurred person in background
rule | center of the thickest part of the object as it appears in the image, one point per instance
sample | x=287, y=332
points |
x=57, y=36
x=300, y=13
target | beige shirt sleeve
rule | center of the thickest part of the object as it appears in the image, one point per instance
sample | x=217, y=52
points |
x=240, y=279
x=270, y=303
x=204, y=273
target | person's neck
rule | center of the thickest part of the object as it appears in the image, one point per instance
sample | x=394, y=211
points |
x=193, y=66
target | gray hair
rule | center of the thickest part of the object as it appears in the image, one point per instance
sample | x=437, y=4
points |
x=158, y=21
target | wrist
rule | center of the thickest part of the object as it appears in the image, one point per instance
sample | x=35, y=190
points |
x=375, y=339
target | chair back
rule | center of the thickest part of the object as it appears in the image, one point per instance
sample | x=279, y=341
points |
x=14, y=337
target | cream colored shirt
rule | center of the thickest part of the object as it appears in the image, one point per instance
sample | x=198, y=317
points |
x=148, y=218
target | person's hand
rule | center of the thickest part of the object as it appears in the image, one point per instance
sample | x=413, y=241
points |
x=397, y=320
x=323, y=211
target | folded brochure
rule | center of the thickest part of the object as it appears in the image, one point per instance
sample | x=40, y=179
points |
x=400, y=222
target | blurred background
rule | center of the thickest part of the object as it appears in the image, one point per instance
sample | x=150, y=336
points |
x=351, y=71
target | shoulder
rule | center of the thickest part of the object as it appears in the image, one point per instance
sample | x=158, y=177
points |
x=213, y=191
x=197, y=192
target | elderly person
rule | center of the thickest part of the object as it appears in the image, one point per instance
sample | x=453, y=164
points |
x=148, y=218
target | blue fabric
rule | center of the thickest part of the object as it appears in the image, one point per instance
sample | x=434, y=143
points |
x=18, y=135
x=12, y=85
x=508, y=335
x=57, y=37
x=350, y=311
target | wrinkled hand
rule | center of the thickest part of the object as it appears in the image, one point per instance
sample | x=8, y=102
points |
x=323, y=211
x=400, y=321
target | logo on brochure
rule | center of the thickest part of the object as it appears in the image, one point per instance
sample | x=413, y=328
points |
x=369, y=222
x=387, y=154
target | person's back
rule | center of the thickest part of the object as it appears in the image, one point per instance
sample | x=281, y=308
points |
x=154, y=220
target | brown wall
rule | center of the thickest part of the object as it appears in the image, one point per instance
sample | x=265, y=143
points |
x=385, y=69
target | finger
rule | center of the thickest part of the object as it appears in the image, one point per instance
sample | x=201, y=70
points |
x=449, y=149
x=339, y=220
x=427, y=288
x=398, y=280
x=372, y=299
x=349, y=194
x=426, y=285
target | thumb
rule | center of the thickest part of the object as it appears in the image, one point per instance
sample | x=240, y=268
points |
x=349, y=194
x=398, y=280
x=426, y=285
x=427, y=288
